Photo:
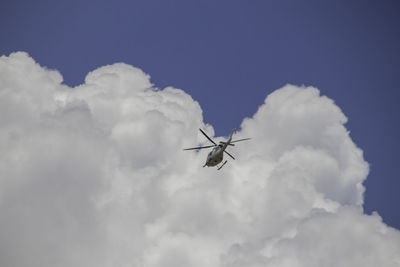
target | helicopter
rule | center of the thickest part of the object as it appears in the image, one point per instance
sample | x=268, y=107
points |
x=217, y=154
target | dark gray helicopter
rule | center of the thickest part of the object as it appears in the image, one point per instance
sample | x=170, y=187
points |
x=217, y=154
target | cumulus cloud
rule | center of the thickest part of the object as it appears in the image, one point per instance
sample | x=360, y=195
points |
x=95, y=175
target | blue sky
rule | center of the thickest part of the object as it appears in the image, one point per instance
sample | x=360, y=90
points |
x=229, y=55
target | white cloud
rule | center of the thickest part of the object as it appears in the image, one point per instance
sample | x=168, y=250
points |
x=95, y=176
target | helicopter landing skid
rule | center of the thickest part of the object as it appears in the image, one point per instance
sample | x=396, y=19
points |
x=222, y=165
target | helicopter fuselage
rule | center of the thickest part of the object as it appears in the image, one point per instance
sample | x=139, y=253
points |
x=215, y=156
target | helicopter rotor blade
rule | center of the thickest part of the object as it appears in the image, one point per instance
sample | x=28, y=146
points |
x=226, y=143
x=199, y=147
x=229, y=154
x=207, y=137
x=244, y=139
